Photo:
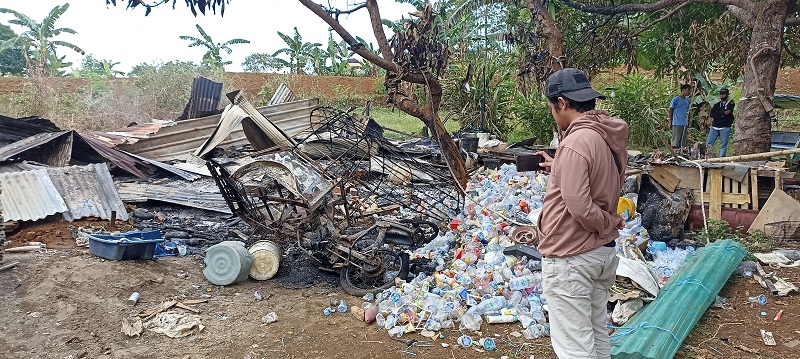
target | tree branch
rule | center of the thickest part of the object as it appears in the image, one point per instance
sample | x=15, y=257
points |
x=656, y=6
x=356, y=46
x=662, y=18
x=377, y=27
x=746, y=17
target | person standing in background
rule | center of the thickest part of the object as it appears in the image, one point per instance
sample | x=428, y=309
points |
x=679, y=117
x=722, y=115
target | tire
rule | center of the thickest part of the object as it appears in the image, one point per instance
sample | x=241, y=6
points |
x=357, y=282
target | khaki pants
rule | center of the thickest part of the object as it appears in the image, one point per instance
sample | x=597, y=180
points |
x=576, y=290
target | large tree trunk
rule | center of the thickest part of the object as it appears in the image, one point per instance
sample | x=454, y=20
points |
x=549, y=31
x=753, y=124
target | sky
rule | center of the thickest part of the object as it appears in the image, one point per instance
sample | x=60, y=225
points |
x=128, y=37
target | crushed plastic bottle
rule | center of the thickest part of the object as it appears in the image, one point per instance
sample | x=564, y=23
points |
x=342, y=307
x=758, y=299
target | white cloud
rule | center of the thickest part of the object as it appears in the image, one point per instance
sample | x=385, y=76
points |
x=127, y=36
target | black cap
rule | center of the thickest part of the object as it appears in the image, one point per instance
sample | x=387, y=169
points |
x=723, y=91
x=572, y=84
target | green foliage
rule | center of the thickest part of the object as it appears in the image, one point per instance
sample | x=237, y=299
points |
x=716, y=230
x=300, y=53
x=756, y=242
x=262, y=62
x=37, y=41
x=699, y=38
x=212, y=57
x=12, y=60
x=168, y=85
x=642, y=102
x=534, y=116
x=94, y=68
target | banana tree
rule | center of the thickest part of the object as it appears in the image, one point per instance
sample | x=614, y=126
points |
x=37, y=42
x=212, y=57
x=299, y=52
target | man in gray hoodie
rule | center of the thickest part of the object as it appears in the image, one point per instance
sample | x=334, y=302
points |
x=579, y=222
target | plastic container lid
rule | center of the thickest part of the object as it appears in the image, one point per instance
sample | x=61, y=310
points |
x=227, y=263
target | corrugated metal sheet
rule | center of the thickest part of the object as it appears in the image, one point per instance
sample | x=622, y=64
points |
x=282, y=95
x=131, y=165
x=15, y=129
x=29, y=196
x=136, y=192
x=658, y=330
x=75, y=192
x=88, y=191
x=20, y=166
x=167, y=167
x=58, y=148
x=204, y=98
x=178, y=142
x=53, y=148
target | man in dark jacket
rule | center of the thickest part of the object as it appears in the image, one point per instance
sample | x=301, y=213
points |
x=722, y=114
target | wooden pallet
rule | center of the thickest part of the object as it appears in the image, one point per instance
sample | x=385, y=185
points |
x=720, y=191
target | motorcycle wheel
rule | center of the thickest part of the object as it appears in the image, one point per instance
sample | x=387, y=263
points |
x=374, y=277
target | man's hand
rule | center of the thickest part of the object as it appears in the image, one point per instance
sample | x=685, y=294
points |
x=547, y=165
x=620, y=222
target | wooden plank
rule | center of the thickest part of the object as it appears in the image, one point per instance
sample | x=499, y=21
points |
x=726, y=188
x=778, y=183
x=744, y=187
x=727, y=198
x=780, y=207
x=768, y=173
x=665, y=178
x=715, y=204
x=754, y=189
x=689, y=176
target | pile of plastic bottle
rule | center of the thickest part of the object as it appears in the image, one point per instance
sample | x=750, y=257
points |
x=471, y=280
x=667, y=260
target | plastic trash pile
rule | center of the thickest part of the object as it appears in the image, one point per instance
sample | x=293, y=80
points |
x=469, y=279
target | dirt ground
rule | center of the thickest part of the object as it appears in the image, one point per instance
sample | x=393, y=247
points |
x=68, y=304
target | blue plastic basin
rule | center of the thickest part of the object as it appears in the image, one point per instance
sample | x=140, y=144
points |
x=128, y=245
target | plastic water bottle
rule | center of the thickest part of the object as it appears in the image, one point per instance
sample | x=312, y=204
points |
x=492, y=304
x=380, y=320
x=524, y=282
x=342, y=308
x=390, y=321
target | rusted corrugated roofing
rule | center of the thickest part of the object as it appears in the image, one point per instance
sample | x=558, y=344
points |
x=135, y=192
x=88, y=191
x=15, y=129
x=75, y=192
x=53, y=148
x=121, y=160
x=29, y=196
x=58, y=148
x=178, y=142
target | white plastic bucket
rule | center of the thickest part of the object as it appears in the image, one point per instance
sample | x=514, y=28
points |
x=266, y=260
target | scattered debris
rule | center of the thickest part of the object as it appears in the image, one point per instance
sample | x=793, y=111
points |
x=174, y=324
x=132, y=328
x=270, y=318
x=768, y=338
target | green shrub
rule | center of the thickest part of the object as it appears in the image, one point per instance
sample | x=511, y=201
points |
x=642, y=102
x=534, y=117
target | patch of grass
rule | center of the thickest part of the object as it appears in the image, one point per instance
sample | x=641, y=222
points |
x=400, y=121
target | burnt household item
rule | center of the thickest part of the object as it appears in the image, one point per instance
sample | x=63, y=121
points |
x=469, y=144
x=529, y=162
x=491, y=163
x=128, y=245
